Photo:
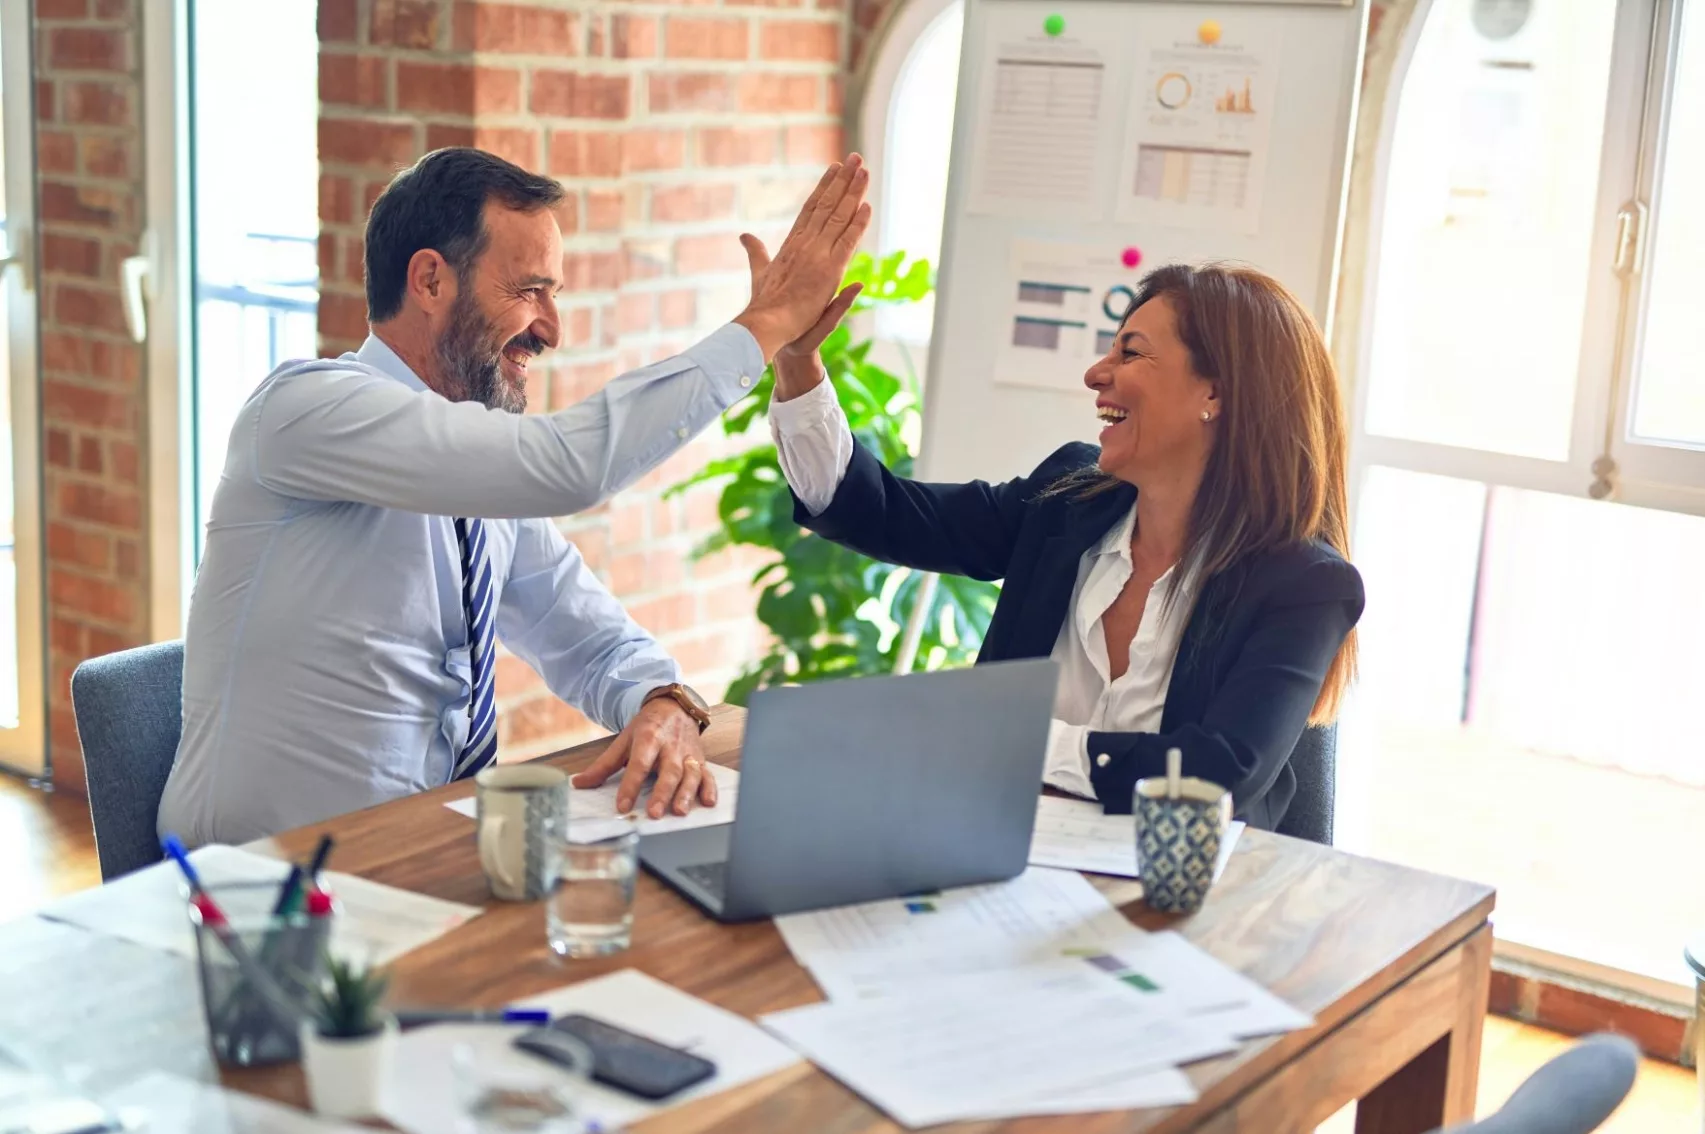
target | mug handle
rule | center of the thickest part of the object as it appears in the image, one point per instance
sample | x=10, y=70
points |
x=491, y=856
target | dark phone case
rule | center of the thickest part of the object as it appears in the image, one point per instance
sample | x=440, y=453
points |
x=623, y=1060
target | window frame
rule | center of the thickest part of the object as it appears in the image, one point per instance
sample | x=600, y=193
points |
x=24, y=749
x=1667, y=476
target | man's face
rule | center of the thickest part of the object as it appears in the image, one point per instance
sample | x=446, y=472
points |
x=505, y=315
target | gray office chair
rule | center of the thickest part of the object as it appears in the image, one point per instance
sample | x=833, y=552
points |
x=1315, y=762
x=129, y=709
x=1572, y=1094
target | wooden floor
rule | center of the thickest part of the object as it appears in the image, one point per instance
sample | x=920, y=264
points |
x=48, y=849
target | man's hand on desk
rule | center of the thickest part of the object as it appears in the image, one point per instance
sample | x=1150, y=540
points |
x=664, y=739
x=796, y=291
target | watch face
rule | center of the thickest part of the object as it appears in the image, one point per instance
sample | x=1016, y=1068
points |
x=693, y=696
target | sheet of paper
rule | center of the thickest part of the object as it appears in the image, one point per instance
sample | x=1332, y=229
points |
x=1074, y=834
x=1168, y=974
x=1041, y=112
x=592, y=813
x=1063, y=306
x=1182, y=979
x=376, y=923
x=420, y=1097
x=993, y=1046
x=1197, y=135
x=165, y=1102
x=1039, y=915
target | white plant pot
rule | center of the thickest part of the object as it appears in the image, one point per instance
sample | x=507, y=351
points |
x=346, y=1077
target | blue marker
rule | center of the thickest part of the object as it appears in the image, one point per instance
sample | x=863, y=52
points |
x=174, y=847
x=410, y=1019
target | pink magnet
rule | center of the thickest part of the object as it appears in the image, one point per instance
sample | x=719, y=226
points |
x=1131, y=257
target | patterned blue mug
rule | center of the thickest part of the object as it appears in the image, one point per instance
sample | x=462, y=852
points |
x=1178, y=840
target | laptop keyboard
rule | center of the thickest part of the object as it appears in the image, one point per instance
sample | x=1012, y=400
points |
x=711, y=876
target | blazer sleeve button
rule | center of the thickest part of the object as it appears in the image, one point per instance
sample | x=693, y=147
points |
x=1103, y=760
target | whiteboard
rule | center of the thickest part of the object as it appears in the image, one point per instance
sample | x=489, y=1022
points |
x=990, y=413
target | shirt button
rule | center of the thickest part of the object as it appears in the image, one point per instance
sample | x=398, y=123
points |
x=1103, y=760
x=745, y=381
x=681, y=433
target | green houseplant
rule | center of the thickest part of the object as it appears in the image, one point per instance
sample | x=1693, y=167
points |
x=348, y=1041
x=832, y=612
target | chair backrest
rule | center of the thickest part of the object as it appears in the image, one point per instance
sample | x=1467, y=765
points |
x=1314, y=762
x=1572, y=1094
x=129, y=709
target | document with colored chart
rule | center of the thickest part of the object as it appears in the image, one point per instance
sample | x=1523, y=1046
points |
x=1061, y=311
x=1040, y=915
x=1199, y=125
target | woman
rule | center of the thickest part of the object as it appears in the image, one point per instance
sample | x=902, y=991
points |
x=1190, y=575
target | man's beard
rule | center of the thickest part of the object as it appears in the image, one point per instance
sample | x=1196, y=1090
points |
x=470, y=360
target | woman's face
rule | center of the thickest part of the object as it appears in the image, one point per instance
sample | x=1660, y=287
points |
x=1150, y=400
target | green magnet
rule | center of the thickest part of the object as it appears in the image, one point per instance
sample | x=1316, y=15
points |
x=1054, y=24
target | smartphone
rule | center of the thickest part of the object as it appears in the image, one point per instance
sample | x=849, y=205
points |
x=621, y=1059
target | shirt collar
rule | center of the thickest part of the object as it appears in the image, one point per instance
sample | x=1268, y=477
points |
x=377, y=354
x=1117, y=541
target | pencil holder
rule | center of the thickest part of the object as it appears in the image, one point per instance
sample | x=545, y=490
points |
x=259, y=973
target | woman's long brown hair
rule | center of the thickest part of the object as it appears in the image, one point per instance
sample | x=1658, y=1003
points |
x=1276, y=473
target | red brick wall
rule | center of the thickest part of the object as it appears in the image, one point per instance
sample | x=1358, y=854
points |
x=674, y=127
x=88, y=120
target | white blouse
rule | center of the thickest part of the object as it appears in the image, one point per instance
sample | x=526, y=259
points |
x=815, y=447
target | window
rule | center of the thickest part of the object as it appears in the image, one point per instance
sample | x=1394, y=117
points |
x=232, y=263
x=907, y=134
x=1529, y=464
x=255, y=214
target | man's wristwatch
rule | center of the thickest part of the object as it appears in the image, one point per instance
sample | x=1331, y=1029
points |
x=686, y=697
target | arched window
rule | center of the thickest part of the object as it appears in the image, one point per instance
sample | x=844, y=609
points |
x=906, y=132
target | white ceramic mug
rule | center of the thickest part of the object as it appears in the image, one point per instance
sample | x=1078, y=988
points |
x=522, y=812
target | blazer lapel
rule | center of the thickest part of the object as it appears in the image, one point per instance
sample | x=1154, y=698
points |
x=1048, y=591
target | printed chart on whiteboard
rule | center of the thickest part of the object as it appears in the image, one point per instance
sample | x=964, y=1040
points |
x=1196, y=147
x=1043, y=106
x=1065, y=302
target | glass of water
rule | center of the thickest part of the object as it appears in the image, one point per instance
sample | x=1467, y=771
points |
x=590, y=913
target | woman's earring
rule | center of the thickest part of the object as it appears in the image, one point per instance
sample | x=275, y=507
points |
x=1206, y=416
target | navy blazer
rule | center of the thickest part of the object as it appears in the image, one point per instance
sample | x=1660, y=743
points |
x=1254, y=652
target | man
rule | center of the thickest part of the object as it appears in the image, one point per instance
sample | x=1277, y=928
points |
x=382, y=518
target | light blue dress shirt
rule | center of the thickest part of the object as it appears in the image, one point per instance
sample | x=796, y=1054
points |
x=326, y=663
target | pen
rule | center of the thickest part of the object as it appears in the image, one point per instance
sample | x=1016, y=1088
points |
x=287, y=892
x=409, y=1018
x=174, y=847
x=321, y=853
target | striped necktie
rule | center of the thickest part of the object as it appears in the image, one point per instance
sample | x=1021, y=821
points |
x=479, y=606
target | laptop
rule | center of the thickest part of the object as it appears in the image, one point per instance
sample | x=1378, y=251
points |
x=871, y=788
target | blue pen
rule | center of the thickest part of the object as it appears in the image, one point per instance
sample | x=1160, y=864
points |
x=409, y=1019
x=174, y=847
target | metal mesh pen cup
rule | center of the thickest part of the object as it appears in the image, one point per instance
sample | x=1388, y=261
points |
x=1178, y=840
x=253, y=1011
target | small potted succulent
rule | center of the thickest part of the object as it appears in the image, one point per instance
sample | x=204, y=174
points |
x=348, y=1042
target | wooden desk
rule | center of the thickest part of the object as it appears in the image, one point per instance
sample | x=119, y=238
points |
x=1393, y=964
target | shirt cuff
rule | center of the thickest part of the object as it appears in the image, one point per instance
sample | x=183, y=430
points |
x=1067, y=763
x=731, y=358
x=629, y=702
x=815, y=405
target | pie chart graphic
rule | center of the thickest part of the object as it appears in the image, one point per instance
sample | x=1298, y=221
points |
x=1172, y=91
